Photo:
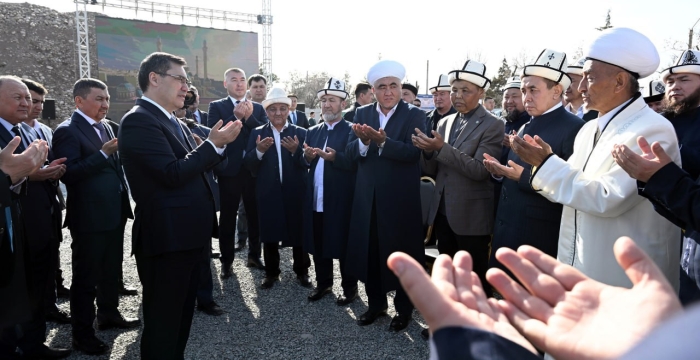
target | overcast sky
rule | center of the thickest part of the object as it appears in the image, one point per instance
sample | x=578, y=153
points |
x=316, y=35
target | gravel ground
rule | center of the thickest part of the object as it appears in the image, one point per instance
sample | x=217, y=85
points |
x=278, y=323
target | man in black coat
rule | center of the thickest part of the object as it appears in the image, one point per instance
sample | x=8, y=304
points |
x=330, y=187
x=443, y=104
x=363, y=96
x=297, y=117
x=97, y=208
x=167, y=174
x=199, y=116
x=523, y=216
x=235, y=181
x=386, y=213
x=573, y=97
x=274, y=157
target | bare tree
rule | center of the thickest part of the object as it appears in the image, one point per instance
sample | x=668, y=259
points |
x=523, y=58
x=306, y=86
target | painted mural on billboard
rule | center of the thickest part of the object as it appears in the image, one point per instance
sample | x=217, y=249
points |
x=123, y=44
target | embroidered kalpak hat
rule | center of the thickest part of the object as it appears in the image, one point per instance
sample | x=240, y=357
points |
x=576, y=68
x=551, y=65
x=335, y=87
x=688, y=63
x=442, y=85
x=472, y=71
x=654, y=92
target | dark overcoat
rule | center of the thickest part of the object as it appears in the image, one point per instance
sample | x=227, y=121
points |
x=338, y=190
x=279, y=202
x=391, y=183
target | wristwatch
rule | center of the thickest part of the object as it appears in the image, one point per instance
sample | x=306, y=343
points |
x=381, y=146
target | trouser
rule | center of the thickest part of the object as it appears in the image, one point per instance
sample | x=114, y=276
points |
x=324, y=266
x=376, y=296
x=271, y=255
x=30, y=336
x=242, y=224
x=55, y=274
x=478, y=246
x=96, y=262
x=169, y=289
x=205, y=289
x=232, y=189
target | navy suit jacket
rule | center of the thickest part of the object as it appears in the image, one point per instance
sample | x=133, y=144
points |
x=223, y=110
x=279, y=202
x=98, y=198
x=168, y=182
x=302, y=121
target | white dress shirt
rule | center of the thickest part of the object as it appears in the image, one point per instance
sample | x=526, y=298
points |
x=318, y=174
x=278, y=145
x=383, y=119
x=169, y=115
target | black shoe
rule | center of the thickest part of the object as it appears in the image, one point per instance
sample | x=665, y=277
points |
x=317, y=294
x=46, y=352
x=58, y=316
x=62, y=292
x=304, y=280
x=212, y=309
x=90, y=345
x=370, y=316
x=240, y=245
x=269, y=282
x=226, y=271
x=399, y=322
x=123, y=290
x=346, y=299
x=119, y=322
x=425, y=334
x=255, y=263
x=215, y=254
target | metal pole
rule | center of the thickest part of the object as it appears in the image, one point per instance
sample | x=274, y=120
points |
x=427, y=75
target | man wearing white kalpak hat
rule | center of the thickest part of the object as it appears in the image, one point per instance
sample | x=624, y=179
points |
x=443, y=103
x=600, y=199
x=330, y=185
x=523, y=216
x=386, y=211
x=654, y=95
x=274, y=157
x=573, y=97
x=462, y=204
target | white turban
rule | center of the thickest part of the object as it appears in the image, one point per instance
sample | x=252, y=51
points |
x=386, y=68
x=627, y=49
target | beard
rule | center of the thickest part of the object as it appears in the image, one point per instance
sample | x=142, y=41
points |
x=512, y=116
x=331, y=117
x=689, y=103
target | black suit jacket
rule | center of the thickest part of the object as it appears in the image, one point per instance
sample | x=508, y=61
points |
x=98, y=198
x=350, y=114
x=204, y=116
x=302, y=120
x=223, y=110
x=458, y=343
x=168, y=182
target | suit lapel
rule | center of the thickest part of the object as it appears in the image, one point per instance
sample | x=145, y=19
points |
x=5, y=136
x=87, y=130
x=473, y=123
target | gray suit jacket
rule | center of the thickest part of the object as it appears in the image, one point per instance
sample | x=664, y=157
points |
x=460, y=175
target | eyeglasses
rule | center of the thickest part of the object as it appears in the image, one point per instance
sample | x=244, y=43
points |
x=182, y=79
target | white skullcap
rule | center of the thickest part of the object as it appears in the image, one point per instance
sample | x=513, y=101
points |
x=276, y=95
x=386, y=68
x=625, y=48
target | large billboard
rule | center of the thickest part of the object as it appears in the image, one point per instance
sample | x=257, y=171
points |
x=123, y=44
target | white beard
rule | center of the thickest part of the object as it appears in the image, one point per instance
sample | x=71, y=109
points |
x=331, y=117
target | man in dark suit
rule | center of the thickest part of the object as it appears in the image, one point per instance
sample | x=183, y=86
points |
x=573, y=97
x=166, y=172
x=363, y=96
x=386, y=212
x=330, y=187
x=274, y=157
x=96, y=212
x=443, y=104
x=201, y=117
x=297, y=117
x=38, y=230
x=462, y=205
x=524, y=217
x=234, y=181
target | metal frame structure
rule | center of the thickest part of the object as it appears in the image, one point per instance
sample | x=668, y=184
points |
x=81, y=23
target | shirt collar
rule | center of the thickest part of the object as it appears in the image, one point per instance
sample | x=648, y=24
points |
x=557, y=106
x=37, y=125
x=331, y=126
x=605, y=119
x=233, y=100
x=379, y=110
x=286, y=125
x=165, y=112
x=7, y=125
x=90, y=120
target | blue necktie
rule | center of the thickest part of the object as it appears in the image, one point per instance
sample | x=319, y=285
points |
x=8, y=221
x=177, y=129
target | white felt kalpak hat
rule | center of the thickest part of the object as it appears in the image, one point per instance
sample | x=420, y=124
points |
x=513, y=82
x=577, y=68
x=442, y=85
x=550, y=65
x=386, y=68
x=335, y=87
x=655, y=91
x=688, y=63
x=276, y=95
x=472, y=71
x=627, y=49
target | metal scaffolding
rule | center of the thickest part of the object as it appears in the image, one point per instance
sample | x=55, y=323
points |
x=81, y=20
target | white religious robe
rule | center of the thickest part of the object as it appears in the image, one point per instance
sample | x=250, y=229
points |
x=601, y=202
